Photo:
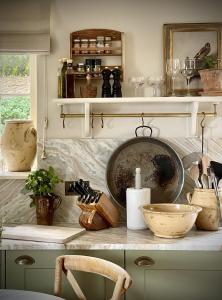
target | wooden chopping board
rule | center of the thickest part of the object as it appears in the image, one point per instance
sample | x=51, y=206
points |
x=41, y=233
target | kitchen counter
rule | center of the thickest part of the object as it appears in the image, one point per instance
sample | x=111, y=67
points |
x=122, y=239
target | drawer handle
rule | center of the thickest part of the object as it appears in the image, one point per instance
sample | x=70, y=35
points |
x=144, y=261
x=24, y=260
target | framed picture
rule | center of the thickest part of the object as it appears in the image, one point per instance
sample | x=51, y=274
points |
x=200, y=42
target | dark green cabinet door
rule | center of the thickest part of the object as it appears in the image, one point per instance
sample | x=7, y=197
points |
x=175, y=275
x=39, y=274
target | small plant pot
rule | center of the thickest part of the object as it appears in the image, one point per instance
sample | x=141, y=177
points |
x=45, y=207
x=211, y=80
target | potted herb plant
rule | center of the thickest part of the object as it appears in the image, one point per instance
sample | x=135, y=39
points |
x=40, y=186
x=211, y=75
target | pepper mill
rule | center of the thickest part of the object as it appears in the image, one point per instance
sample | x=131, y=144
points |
x=116, y=92
x=106, y=87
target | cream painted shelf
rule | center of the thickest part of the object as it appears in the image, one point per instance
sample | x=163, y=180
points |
x=14, y=175
x=192, y=103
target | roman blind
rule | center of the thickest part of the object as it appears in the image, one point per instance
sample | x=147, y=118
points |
x=25, y=26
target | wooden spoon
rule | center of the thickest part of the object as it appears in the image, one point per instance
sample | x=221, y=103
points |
x=205, y=164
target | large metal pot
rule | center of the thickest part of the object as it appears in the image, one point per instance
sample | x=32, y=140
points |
x=162, y=169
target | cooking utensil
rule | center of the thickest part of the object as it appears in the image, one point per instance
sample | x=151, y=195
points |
x=161, y=169
x=214, y=181
x=205, y=163
x=217, y=167
x=194, y=174
x=204, y=181
x=189, y=159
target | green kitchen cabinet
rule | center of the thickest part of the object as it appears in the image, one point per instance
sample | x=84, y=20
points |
x=174, y=275
x=34, y=270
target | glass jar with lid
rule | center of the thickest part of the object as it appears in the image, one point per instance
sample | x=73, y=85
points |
x=76, y=46
x=100, y=44
x=92, y=46
x=81, y=67
x=97, y=68
x=108, y=44
x=84, y=46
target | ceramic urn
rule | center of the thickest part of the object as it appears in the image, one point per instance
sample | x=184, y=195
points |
x=18, y=145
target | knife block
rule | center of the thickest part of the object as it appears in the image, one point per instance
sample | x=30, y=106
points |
x=98, y=215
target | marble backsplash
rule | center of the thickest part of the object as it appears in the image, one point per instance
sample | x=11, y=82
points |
x=87, y=159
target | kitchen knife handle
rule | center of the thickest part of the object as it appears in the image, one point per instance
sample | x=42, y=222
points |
x=24, y=260
x=144, y=261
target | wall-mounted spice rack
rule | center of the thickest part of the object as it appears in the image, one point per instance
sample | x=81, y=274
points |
x=116, y=49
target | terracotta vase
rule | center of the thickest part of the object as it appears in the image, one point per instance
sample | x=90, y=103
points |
x=45, y=207
x=211, y=80
x=19, y=145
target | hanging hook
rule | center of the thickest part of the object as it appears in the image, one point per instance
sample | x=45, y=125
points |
x=92, y=120
x=202, y=132
x=102, y=123
x=63, y=121
x=204, y=116
x=142, y=117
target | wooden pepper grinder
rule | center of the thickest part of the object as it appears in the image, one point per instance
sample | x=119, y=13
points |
x=106, y=87
x=116, y=92
x=88, y=90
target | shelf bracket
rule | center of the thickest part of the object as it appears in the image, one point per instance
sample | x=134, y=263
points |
x=194, y=115
x=87, y=126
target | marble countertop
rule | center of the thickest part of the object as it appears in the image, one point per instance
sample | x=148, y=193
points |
x=123, y=239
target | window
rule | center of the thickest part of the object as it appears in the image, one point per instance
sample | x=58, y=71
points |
x=15, y=91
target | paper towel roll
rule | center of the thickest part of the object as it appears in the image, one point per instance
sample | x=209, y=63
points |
x=134, y=199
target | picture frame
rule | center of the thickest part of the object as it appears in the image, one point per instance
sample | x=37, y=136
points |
x=181, y=40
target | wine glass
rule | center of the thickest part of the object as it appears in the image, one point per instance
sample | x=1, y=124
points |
x=172, y=70
x=188, y=71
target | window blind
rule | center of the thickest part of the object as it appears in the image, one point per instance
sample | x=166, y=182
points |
x=25, y=26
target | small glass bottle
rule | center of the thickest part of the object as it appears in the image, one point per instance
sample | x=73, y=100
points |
x=97, y=68
x=63, y=77
x=59, y=79
x=70, y=80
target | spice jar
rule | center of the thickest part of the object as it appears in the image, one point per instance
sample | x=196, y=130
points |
x=90, y=63
x=97, y=68
x=80, y=67
x=76, y=46
x=100, y=44
x=84, y=46
x=107, y=44
x=92, y=46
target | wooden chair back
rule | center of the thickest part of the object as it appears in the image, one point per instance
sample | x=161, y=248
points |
x=67, y=263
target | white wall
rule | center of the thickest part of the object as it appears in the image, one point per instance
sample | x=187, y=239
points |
x=142, y=22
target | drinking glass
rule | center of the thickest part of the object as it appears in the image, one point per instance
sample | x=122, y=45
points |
x=188, y=71
x=172, y=70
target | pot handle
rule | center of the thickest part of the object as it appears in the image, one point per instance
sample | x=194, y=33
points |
x=189, y=197
x=30, y=130
x=144, y=126
x=57, y=202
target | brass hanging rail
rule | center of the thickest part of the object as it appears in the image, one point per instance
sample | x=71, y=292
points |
x=135, y=115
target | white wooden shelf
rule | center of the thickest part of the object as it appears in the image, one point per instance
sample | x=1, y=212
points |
x=193, y=106
x=70, y=101
x=14, y=175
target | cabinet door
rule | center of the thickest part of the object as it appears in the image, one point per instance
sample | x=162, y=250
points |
x=173, y=275
x=34, y=270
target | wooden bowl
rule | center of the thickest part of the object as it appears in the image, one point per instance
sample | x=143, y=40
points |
x=170, y=220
